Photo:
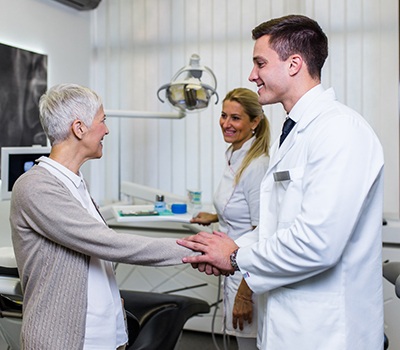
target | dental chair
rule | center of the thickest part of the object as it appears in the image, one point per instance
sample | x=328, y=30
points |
x=155, y=321
x=160, y=318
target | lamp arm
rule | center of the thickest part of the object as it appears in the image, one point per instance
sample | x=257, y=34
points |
x=144, y=114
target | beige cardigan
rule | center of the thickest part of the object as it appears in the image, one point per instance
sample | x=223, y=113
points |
x=53, y=238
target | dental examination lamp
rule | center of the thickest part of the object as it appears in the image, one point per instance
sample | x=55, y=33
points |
x=186, y=92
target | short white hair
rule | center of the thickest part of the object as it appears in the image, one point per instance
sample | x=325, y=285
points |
x=62, y=104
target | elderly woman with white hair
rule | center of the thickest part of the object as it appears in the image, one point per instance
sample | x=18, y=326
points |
x=63, y=247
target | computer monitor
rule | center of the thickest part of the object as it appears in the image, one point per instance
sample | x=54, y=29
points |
x=14, y=162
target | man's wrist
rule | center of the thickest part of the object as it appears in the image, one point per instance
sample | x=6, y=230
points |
x=233, y=260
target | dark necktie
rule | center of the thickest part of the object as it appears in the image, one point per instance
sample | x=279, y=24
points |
x=287, y=126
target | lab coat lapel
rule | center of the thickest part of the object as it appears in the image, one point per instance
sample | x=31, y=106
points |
x=304, y=119
x=277, y=153
x=268, y=199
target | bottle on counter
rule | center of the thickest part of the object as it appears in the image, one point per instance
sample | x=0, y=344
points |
x=194, y=201
x=159, y=204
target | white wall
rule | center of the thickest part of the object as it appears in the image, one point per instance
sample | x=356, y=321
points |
x=50, y=28
x=140, y=44
x=127, y=49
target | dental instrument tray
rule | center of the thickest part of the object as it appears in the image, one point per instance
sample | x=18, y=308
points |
x=141, y=213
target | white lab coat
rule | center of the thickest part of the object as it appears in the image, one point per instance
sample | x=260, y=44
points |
x=319, y=252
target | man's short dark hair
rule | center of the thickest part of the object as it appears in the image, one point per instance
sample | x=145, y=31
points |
x=296, y=34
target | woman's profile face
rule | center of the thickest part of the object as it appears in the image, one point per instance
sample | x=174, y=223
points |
x=93, y=141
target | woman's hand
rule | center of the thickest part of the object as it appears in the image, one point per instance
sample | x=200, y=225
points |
x=243, y=306
x=204, y=218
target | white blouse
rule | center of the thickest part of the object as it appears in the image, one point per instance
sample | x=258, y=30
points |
x=237, y=205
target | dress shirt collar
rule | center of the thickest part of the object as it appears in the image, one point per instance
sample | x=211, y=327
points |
x=62, y=170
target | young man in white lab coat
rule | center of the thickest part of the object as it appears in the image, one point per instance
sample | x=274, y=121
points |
x=317, y=265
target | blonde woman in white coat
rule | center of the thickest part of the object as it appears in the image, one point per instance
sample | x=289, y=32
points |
x=236, y=200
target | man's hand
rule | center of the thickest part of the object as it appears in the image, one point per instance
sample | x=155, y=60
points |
x=216, y=249
x=210, y=270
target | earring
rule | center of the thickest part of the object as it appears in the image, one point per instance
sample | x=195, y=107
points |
x=253, y=131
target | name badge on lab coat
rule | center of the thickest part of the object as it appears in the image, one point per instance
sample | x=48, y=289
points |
x=292, y=174
x=282, y=176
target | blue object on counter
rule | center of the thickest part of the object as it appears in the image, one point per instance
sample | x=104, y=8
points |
x=179, y=208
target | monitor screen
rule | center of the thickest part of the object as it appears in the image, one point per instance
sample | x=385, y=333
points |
x=14, y=162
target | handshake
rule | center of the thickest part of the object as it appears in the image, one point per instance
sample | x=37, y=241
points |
x=215, y=249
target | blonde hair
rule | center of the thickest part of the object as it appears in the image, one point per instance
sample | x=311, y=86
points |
x=248, y=99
